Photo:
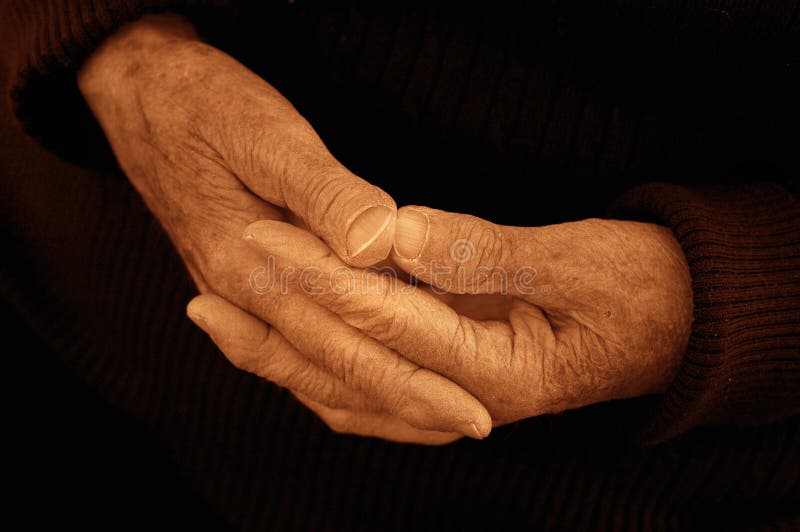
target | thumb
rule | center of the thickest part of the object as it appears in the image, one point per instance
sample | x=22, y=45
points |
x=355, y=218
x=459, y=253
x=291, y=167
x=278, y=156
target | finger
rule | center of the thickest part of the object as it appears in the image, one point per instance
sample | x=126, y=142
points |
x=421, y=397
x=411, y=321
x=462, y=254
x=500, y=362
x=377, y=425
x=424, y=399
x=253, y=346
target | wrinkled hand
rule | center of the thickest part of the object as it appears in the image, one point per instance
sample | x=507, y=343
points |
x=212, y=147
x=596, y=310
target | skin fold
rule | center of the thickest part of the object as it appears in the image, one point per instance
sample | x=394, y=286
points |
x=503, y=323
x=607, y=314
x=211, y=147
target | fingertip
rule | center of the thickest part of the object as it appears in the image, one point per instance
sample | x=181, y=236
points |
x=285, y=240
x=479, y=424
x=437, y=403
x=257, y=231
x=479, y=421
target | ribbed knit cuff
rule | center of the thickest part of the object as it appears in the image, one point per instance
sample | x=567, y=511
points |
x=742, y=245
x=48, y=41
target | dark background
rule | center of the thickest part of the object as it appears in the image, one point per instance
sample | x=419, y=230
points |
x=577, y=116
x=75, y=460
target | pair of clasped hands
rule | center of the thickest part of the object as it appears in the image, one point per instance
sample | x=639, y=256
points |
x=483, y=324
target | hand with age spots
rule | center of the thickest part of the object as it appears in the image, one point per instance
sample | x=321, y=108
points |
x=211, y=147
x=389, y=361
x=573, y=314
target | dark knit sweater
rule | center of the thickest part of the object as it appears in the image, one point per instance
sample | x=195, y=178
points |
x=562, y=109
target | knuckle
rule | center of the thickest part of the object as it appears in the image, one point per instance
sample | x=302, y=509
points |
x=342, y=300
x=371, y=308
x=454, y=346
x=361, y=371
x=305, y=378
x=462, y=342
x=326, y=391
x=396, y=401
x=334, y=356
x=353, y=361
x=254, y=358
x=387, y=384
x=481, y=253
x=329, y=190
x=389, y=327
x=488, y=246
x=384, y=319
x=562, y=375
x=298, y=377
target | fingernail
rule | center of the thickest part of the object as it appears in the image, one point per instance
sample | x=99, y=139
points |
x=366, y=228
x=470, y=430
x=411, y=232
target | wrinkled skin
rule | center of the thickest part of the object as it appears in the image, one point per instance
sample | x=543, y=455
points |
x=591, y=311
x=212, y=148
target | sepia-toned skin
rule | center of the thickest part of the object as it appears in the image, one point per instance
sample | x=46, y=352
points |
x=604, y=311
x=606, y=315
x=211, y=147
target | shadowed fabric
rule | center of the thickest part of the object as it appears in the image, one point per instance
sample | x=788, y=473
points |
x=533, y=115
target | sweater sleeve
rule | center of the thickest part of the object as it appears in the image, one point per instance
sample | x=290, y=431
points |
x=742, y=244
x=47, y=41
